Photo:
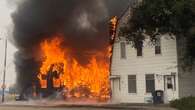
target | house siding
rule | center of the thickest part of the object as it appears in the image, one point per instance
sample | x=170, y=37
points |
x=149, y=63
x=160, y=65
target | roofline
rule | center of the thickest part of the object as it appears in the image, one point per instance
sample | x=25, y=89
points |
x=125, y=10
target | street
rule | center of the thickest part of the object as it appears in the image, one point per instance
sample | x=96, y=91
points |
x=47, y=108
x=76, y=108
x=45, y=104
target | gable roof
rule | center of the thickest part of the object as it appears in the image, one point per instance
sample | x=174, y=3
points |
x=123, y=19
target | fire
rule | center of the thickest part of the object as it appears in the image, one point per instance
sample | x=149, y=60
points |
x=76, y=80
x=113, y=27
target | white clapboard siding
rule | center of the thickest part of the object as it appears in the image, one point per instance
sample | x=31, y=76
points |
x=149, y=63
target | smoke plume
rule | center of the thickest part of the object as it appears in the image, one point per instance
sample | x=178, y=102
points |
x=83, y=23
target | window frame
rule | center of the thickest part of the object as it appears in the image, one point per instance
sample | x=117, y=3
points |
x=123, y=53
x=132, y=79
x=140, y=52
x=170, y=82
x=150, y=79
x=158, y=49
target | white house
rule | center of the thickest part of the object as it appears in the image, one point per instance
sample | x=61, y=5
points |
x=135, y=73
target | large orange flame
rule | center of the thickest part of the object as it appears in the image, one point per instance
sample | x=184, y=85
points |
x=113, y=27
x=91, y=80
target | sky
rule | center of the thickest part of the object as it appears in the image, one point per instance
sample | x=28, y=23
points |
x=5, y=32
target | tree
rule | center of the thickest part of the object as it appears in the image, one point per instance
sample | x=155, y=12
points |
x=154, y=17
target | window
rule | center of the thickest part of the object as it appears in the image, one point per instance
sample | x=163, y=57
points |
x=139, y=51
x=158, y=46
x=139, y=47
x=116, y=84
x=169, y=83
x=132, y=84
x=123, y=50
x=150, y=83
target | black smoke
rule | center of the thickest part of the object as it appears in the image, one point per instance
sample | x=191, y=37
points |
x=83, y=24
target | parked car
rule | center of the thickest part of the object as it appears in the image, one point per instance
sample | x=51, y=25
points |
x=19, y=97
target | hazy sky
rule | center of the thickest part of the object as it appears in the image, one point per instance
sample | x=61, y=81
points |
x=5, y=31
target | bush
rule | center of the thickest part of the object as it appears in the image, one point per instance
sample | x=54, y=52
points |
x=187, y=103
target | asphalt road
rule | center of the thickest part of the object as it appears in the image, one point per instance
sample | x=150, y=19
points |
x=57, y=105
x=47, y=108
x=76, y=108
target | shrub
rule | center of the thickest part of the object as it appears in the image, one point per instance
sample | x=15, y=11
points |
x=187, y=103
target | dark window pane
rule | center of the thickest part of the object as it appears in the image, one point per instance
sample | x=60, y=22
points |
x=139, y=51
x=132, y=84
x=169, y=83
x=157, y=50
x=150, y=83
x=123, y=50
x=158, y=46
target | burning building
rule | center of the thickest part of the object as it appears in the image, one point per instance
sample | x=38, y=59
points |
x=63, y=46
x=59, y=70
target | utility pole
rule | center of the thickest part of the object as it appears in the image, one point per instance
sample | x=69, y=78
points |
x=4, y=71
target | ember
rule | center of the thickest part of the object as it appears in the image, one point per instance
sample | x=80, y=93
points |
x=66, y=73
